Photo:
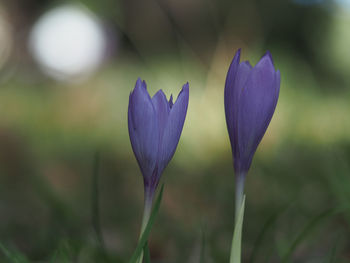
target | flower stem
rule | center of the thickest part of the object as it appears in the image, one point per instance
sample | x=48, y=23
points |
x=239, y=194
x=235, y=256
x=146, y=214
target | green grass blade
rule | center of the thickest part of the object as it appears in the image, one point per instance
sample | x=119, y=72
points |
x=235, y=256
x=147, y=230
x=146, y=254
x=14, y=257
x=4, y=250
x=305, y=233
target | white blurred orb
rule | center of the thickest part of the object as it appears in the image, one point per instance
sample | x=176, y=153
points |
x=68, y=42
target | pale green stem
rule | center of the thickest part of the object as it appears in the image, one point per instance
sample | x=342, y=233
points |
x=235, y=256
x=239, y=194
x=146, y=215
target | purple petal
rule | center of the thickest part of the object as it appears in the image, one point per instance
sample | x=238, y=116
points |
x=143, y=128
x=230, y=94
x=173, y=128
x=256, y=106
x=243, y=72
x=235, y=81
x=162, y=108
x=268, y=54
x=140, y=84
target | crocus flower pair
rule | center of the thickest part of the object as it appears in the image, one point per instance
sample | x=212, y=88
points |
x=155, y=124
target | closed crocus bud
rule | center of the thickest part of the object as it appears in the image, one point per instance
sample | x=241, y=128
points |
x=155, y=125
x=251, y=95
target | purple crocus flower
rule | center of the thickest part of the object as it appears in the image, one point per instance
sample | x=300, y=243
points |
x=155, y=125
x=251, y=95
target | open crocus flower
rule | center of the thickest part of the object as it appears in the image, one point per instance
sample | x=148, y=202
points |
x=155, y=125
x=251, y=95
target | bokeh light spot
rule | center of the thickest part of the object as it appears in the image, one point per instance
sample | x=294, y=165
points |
x=68, y=42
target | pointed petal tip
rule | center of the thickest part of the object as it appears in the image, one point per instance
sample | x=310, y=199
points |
x=268, y=53
x=237, y=56
x=184, y=93
x=144, y=85
x=185, y=90
x=266, y=62
x=138, y=83
x=234, y=64
x=186, y=86
x=268, y=56
x=159, y=93
x=140, y=89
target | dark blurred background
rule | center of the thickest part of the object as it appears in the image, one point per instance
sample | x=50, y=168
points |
x=66, y=71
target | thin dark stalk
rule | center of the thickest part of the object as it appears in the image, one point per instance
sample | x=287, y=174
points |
x=178, y=32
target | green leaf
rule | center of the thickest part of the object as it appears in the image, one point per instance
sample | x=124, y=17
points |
x=146, y=232
x=235, y=256
x=146, y=254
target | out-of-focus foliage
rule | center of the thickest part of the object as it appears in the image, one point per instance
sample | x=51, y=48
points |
x=51, y=130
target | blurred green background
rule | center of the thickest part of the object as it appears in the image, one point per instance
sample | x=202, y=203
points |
x=57, y=113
